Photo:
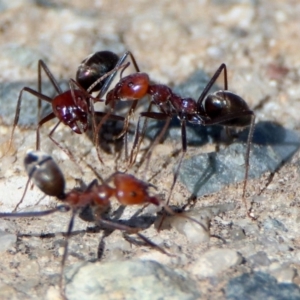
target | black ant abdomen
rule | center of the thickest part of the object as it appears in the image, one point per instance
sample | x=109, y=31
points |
x=45, y=173
x=95, y=66
x=224, y=103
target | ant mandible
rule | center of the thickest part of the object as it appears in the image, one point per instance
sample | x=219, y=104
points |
x=221, y=107
x=73, y=106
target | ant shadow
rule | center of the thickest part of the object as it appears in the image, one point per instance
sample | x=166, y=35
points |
x=272, y=146
x=143, y=221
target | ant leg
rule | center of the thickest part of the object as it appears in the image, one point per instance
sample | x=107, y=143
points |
x=42, y=66
x=96, y=133
x=97, y=128
x=67, y=151
x=104, y=116
x=212, y=81
x=63, y=261
x=108, y=82
x=233, y=116
x=169, y=210
x=184, y=148
x=132, y=230
x=136, y=141
x=136, y=135
x=60, y=208
x=105, y=87
x=41, y=122
x=247, y=158
x=153, y=245
x=18, y=109
x=157, y=116
x=108, y=74
x=38, y=94
x=156, y=141
x=126, y=120
x=73, y=84
x=23, y=196
x=134, y=104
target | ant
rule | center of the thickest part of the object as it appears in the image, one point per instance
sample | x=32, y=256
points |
x=128, y=190
x=73, y=106
x=88, y=77
x=221, y=107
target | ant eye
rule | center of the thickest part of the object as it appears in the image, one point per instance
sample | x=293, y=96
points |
x=130, y=84
x=58, y=107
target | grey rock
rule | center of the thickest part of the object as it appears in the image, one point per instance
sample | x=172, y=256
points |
x=237, y=234
x=259, y=259
x=129, y=280
x=272, y=146
x=260, y=286
x=273, y=224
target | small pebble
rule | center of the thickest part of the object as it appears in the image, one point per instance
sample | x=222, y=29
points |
x=273, y=224
x=284, y=274
x=259, y=259
x=237, y=234
x=215, y=261
x=7, y=240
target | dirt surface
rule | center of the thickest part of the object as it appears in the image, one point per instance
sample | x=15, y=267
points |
x=259, y=42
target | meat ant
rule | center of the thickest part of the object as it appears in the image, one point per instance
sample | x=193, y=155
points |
x=221, y=107
x=128, y=190
x=73, y=106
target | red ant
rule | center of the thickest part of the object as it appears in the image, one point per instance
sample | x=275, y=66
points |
x=73, y=106
x=128, y=190
x=222, y=107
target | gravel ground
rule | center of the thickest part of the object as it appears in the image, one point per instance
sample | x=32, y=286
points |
x=177, y=43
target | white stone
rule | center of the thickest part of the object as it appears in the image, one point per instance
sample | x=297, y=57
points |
x=215, y=261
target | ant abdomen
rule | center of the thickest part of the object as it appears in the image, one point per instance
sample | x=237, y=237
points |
x=224, y=103
x=95, y=66
x=45, y=173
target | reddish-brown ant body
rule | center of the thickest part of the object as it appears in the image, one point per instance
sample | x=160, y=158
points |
x=222, y=107
x=47, y=176
x=128, y=190
x=73, y=106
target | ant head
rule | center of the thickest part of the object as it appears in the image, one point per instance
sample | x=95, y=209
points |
x=95, y=66
x=71, y=108
x=45, y=173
